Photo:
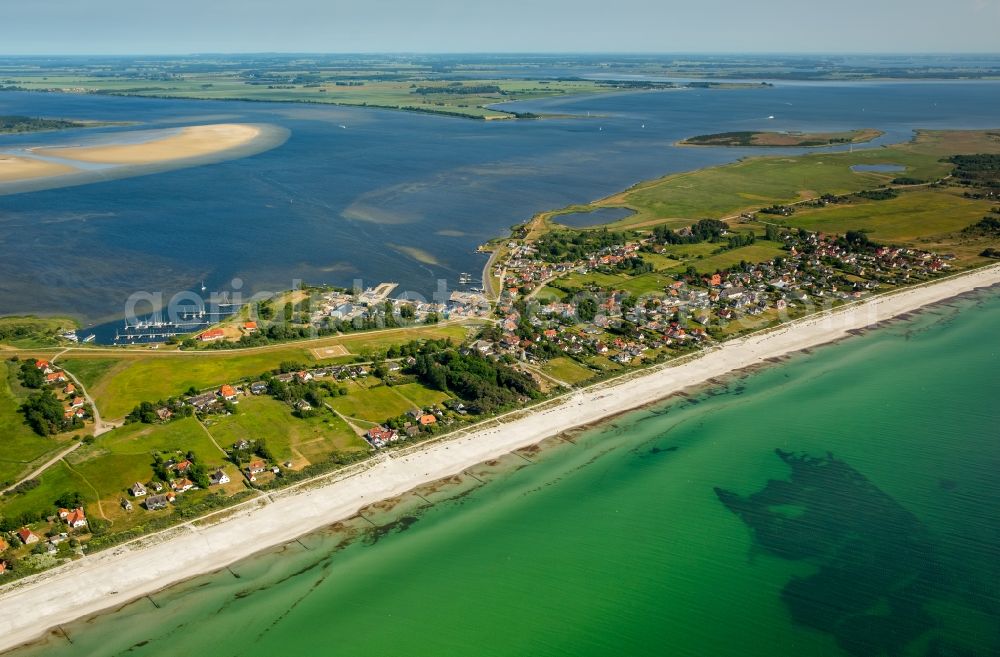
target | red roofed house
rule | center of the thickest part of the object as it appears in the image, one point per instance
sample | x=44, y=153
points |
x=75, y=518
x=427, y=419
x=71, y=412
x=183, y=466
x=715, y=280
x=3, y=545
x=69, y=389
x=227, y=392
x=255, y=468
x=27, y=536
x=55, y=377
x=212, y=335
x=3, y=567
x=182, y=485
x=43, y=365
x=379, y=436
x=250, y=327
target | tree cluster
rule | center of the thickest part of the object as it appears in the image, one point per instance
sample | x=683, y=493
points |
x=880, y=194
x=30, y=376
x=44, y=414
x=988, y=226
x=484, y=385
x=559, y=246
x=982, y=170
x=705, y=230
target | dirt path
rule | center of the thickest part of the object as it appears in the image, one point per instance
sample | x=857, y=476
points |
x=45, y=466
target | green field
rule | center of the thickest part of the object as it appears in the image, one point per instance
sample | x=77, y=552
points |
x=89, y=371
x=55, y=481
x=568, y=370
x=290, y=438
x=149, y=376
x=725, y=191
x=124, y=456
x=371, y=402
x=29, y=331
x=910, y=216
x=648, y=283
x=19, y=445
x=758, y=252
x=660, y=262
x=728, y=190
x=420, y=395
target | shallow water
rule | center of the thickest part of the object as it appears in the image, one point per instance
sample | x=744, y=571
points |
x=324, y=206
x=845, y=502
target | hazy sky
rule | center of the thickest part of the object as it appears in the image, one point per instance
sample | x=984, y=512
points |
x=183, y=26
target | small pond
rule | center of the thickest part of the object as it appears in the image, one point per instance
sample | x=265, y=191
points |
x=879, y=168
x=593, y=218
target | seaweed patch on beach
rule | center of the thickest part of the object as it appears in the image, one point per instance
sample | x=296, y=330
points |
x=877, y=565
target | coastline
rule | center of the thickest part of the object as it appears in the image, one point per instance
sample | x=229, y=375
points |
x=116, y=576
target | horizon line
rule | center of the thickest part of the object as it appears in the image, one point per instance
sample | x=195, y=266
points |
x=545, y=53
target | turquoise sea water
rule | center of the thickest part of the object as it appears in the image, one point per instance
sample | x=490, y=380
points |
x=844, y=502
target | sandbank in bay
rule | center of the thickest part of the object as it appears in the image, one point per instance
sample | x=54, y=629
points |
x=123, y=154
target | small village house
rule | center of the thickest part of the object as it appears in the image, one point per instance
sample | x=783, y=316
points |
x=155, y=502
x=218, y=478
x=212, y=335
x=75, y=518
x=27, y=536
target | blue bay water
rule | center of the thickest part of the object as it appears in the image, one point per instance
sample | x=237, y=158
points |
x=842, y=503
x=334, y=204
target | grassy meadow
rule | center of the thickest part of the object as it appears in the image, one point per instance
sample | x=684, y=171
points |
x=727, y=190
x=905, y=219
x=20, y=447
x=143, y=375
x=300, y=440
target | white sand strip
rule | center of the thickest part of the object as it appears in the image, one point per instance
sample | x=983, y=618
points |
x=112, y=577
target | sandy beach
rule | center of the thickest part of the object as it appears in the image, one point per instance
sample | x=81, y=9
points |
x=113, y=577
x=14, y=168
x=193, y=141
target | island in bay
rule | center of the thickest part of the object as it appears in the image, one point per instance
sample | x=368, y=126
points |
x=783, y=139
